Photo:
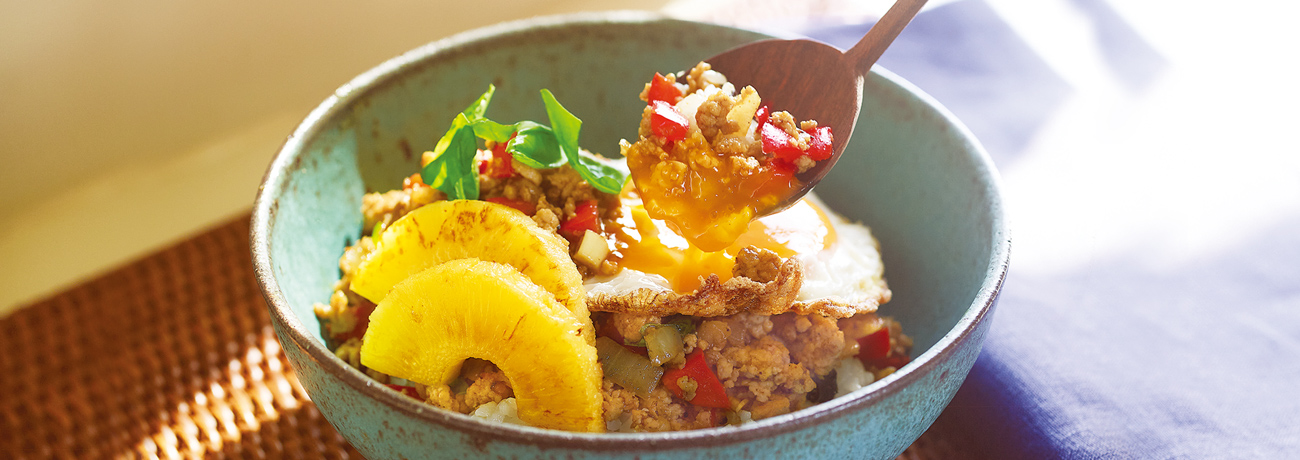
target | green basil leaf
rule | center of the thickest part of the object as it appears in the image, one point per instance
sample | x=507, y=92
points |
x=443, y=143
x=606, y=178
x=493, y=131
x=452, y=168
x=535, y=145
x=473, y=113
x=464, y=147
x=476, y=110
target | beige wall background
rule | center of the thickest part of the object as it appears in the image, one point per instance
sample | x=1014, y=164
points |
x=128, y=125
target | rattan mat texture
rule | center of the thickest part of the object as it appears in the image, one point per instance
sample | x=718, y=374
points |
x=170, y=356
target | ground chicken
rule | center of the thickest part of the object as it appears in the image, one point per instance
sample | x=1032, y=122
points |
x=659, y=411
x=757, y=264
x=815, y=341
x=442, y=396
x=489, y=386
x=385, y=208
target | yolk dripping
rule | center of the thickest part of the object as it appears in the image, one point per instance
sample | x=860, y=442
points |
x=651, y=246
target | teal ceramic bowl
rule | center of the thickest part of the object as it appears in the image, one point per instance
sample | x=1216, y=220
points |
x=913, y=173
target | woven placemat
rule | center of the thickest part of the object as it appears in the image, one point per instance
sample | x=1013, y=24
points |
x=170, y=356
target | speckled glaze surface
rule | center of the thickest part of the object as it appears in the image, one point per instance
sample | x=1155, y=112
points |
x=913, y=173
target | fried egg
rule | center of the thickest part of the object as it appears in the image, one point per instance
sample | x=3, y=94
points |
x=840, y=259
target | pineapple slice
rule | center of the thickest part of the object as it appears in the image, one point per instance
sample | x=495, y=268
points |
x=431, y=322
x=450, y=230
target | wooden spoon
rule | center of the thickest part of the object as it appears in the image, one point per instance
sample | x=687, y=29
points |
x=814, y=81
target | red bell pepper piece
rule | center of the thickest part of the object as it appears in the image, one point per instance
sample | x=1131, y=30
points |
x=363, y=321
x=708, y=389
x=498, y=166
x=820, y=147
x=586, y=217
x=779, y=143
x=403, y=389
x=521, y=205
x=667, y=122
x=412, y=181
x=762, y=115
x=874, y=347
x=663, y=90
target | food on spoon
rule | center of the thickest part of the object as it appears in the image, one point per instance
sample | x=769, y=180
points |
x=780, y=319
x=710, y=159
x=437, y=318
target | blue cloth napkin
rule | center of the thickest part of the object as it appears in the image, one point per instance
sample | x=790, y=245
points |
x=1116, y=358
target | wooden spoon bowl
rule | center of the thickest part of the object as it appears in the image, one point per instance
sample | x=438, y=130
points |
x=814, y=81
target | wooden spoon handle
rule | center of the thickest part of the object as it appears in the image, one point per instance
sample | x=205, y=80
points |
x=864, y=54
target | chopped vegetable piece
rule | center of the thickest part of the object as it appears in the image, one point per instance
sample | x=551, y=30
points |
x=403, y=389
x=820, y=147
x=639, y=350
x=779, y=143
x=761, y=116
x=874, y=347
x=667, y=122
x=827, y=386
x=586, y=216
x=664, y=344
x=708, y=391
x=593, y=249
x=683, y=324
x=498, y=165
x=363, y=321
x=412, y=181
x=663, y=89
x=626, y=368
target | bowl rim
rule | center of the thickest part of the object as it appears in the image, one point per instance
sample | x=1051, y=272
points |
x=341, y=100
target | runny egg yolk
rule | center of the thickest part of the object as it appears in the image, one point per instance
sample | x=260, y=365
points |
x=651, y=246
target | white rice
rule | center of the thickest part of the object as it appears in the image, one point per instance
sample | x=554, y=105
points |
x=620, y=425
x=850, y=376
x=505, y=411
